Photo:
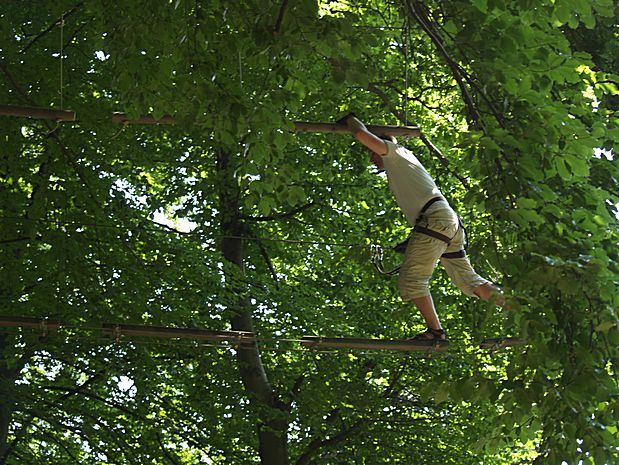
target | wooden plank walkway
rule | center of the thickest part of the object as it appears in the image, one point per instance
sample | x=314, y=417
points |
x=117, y=331
x=238, y=337
x=318, y=342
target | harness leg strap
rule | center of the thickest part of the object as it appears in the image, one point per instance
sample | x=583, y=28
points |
x=458, y=254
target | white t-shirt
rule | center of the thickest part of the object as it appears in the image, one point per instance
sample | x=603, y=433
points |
x=409, y=181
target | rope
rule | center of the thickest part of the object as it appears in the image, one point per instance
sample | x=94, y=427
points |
x=406, y=42
x=169, y=229
x=61, y=60
x=240, y=71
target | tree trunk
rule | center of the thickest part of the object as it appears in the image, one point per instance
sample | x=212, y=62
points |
x=7, y=388
x=272, y=415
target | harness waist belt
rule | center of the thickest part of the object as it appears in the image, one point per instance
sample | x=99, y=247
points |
x=429, y=232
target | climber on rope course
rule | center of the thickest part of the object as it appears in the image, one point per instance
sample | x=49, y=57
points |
x=437, y=231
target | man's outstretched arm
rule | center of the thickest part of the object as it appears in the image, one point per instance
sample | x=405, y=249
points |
x=361, y=133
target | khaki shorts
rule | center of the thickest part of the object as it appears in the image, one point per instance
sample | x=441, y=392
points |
x=424, y=251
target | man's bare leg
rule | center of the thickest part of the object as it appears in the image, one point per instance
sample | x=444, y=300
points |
x=425, y=305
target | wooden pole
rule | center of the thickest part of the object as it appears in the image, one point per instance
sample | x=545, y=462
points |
x=37, y=113
x=45, y=325
x=42, y=324
x=122, y=118
x=397, y=131
x=112, y=329
x=239, y=337
x=318, y=342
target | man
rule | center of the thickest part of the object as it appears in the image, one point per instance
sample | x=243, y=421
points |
x=437, y=233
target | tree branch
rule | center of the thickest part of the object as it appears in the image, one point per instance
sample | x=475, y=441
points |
x=281, y=216
x=418, y=12
x=433, y=149
x=71, y=392
x=15, y=85
x=280, y=16
x=164, y=450
x=317, y=444
x=17, y=239
x=268, y=261
x=51, y=26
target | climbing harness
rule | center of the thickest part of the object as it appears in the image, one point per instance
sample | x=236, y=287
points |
x=376, y=251
x=437, y=235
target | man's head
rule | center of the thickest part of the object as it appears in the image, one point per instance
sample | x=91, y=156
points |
x=375, y=158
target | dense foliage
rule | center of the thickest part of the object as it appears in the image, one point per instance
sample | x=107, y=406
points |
x=229, y=220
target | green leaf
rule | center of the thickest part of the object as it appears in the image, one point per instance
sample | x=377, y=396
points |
x=562, y=12
x=481, y=5
x=561, y=167
x=578, y=166
x=296, y=195
x=442, y=393
x=598, y=131
x=264, y=206
x=604, y=7
x=451, y=27
x=605, y=326
x=526, y=203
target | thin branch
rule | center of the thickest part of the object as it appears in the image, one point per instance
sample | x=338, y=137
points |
x=52, y=438
x=122, y=446
x=52, y=26
x=17, y=239
x=280, y=17
x=281, y=216
x=418, y=13
x=317, y=444
x=70, y=392
x=472, y=83
x=296, y=389
x=15, y=85
x=433, y=149
x=75, y=34
x=268, y=261
x=164, y=450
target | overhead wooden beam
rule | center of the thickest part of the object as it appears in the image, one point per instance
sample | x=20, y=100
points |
x=318, y=342
x=117, y=330
x=43, y=325
x=123, y=118
x=397, y=131
x=37, y=113
x=239, y=337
